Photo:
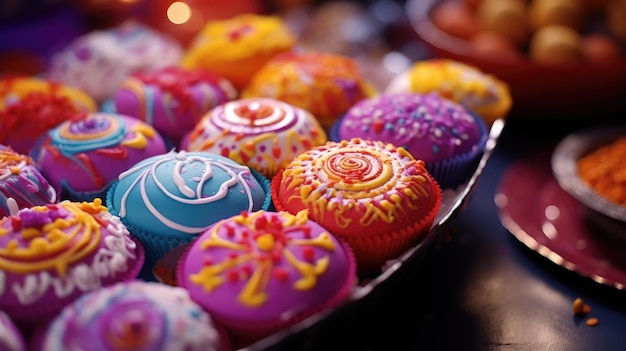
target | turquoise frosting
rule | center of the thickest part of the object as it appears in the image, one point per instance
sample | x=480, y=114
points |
x=180, y=194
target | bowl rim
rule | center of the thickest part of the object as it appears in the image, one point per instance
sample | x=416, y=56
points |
x=564, y=162
x=418, y=12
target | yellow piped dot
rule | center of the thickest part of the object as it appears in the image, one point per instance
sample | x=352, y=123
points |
x=265, y=242
x=39, y=245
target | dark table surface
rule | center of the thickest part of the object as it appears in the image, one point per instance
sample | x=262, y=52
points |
x=478, y=287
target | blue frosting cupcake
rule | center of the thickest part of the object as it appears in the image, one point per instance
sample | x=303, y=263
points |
x=167, y=200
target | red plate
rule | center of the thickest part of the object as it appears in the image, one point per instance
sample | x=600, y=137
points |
x=540, y=214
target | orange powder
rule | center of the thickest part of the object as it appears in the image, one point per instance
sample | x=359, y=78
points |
x=604, y=170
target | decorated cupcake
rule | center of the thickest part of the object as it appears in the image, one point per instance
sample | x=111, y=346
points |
x=134, y=315
x=482, y=93
x=11, y=338
x=372, y=194
x=171, y=99
x=256, y=273
x=21, y=183
x=167, y=200
x=99, y=61
x=53, y=254
x=29, y=107
x=83, y=156
x=237, y=47
x=325, y=84
x=442, y=133
x=262, y=133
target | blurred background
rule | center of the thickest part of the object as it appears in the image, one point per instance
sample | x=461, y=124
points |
x=376, y=32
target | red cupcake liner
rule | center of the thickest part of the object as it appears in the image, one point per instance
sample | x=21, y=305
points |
x=373, y=251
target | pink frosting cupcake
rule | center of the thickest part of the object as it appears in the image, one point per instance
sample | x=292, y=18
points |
x=82, y=157
x=52, y=254
x=134, y=315
x=445, y=135
x=261, y=271
x=263, y=133
x=99, y=61
x=21, y=183
x=172, y=99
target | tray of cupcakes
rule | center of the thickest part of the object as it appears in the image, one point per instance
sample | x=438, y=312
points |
x=226, y=195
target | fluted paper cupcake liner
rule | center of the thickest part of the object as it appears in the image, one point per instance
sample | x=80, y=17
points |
x=373, y=251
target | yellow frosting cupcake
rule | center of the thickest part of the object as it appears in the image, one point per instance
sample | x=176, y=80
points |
x=478, y=91
x=237, y=47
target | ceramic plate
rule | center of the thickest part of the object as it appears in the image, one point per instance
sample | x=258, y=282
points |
x=540, y=214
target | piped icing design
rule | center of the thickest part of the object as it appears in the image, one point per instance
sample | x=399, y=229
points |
x=265, y=267
x=172, y=99
x=21, y=183
x=262, y=133
x=51, y=254
x=29, y=107
x=480, y=92
x=99, y=61
x=430, y=127
x=182, y=193
x=11, y=338
x=135, y=315
x=359, y=188
x=87, y=153
x=325, y=84
x=239, y=46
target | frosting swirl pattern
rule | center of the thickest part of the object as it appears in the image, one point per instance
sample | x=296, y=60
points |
x=359, y=187
x=263, y=133
x=94, y=149
x=133, y=316
x=167, y=192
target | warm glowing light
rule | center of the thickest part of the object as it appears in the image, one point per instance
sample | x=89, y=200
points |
x=178, y=12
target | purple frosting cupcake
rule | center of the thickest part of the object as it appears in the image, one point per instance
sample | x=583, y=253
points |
x=134, y=315
x=21, y=183
x=445, y=135
x=11, y=338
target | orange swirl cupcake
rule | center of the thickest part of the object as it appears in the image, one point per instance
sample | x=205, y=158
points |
x=374, y=195
x=325, y=84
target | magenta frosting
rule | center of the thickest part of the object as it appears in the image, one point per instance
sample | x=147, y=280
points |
x=136, y=315
x=172, y=99
x=21, y=183
x=59, y=252
x=281, y=300
x=430, y=127
x=94, y=151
